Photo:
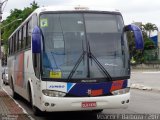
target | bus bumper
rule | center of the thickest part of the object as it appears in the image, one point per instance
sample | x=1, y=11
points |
x=51, y=104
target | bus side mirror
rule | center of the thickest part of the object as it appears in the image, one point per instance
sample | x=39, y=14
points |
x=36, y=40
x=137, y=34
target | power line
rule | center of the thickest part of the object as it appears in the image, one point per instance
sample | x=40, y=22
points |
x=4, y=5
x=0, y=28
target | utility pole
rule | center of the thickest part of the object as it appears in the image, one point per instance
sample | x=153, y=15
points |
x=0, y=44
x=1, y=12
x=1, y=4
x=0, y=26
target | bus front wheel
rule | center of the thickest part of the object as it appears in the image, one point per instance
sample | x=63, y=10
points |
x=35, y=110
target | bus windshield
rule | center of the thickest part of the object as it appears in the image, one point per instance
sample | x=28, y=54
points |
x=68, y=37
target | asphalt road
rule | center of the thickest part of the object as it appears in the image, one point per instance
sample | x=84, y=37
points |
x=147, y=102
x=147, y=78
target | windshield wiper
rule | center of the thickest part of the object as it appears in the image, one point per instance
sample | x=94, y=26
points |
x=91, y=56
x=76, y=65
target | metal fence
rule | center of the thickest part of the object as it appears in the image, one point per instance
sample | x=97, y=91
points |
x=152, y=56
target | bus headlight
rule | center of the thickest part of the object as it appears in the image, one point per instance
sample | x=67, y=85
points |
x=121, y=91
x=53, y=93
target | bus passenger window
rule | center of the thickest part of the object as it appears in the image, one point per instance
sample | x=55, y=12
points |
x=29, y=30
x=17, y=42
x=36, y=64
x=14, y=42
x=11, y=46
x=20, y=36
x=24, y=36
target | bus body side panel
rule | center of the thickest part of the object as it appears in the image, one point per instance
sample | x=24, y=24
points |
x=32, y=80
x=28, y=72
x=10, y=62
x=22, y=73
x=18, y=68
x=17, y=73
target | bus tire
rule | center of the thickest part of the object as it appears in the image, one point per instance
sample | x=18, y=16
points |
x=14, y=94
x=35, y=110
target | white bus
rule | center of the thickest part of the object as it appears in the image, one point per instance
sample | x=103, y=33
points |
x=72, y=59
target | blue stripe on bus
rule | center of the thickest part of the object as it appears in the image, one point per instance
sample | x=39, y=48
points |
x=81, y=89
x=125, y=84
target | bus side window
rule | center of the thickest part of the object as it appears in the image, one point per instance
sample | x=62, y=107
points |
x=36, y=57
x=24, y=36
x=34, y=21
x=36, y=64
x=8, y=47
x=11, y=46
x=20, y=36
x=17, y=42
x=29, y=31
x=14, y=41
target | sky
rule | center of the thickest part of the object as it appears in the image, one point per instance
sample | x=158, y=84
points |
x=132, y=10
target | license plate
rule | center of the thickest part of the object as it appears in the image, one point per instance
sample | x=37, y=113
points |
x=88, y=104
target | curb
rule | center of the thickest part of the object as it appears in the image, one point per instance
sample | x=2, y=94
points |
x=11, y=110
x=143, y=87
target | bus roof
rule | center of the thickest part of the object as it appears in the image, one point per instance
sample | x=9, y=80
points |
x=67, y=8
x=74, y=8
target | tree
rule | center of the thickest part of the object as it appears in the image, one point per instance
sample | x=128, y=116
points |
x=149, y=44
x=34, y=5
x=135, y=55
x=15, y=14
x=149, y=27
x=138, y=55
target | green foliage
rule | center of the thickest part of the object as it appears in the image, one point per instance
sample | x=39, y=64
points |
x=148, y=28
x=137, y=55
x=149, y=44
x=14, y=15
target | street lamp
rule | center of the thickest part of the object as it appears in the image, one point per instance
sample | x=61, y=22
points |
x=1, y=27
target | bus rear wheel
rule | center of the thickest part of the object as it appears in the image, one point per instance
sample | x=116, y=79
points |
x=14, y=94
x=35, y=110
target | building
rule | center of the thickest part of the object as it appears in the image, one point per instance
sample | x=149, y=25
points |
x=155, y=40
x=159, y=45
x=139, y=24
x=159, y=39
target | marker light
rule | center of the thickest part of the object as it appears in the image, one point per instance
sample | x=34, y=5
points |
x=81, y=8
